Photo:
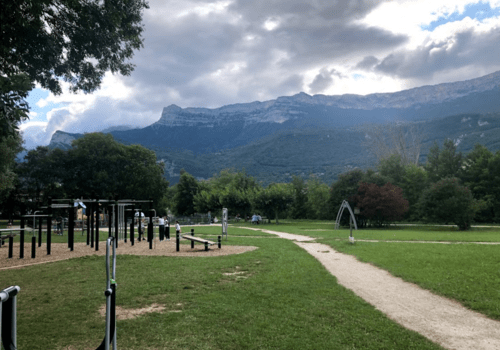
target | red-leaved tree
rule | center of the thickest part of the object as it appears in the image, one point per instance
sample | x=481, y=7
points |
x=381, y=205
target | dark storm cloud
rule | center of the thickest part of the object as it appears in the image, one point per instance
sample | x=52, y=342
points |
x=367, y=63
x=465, y=48
x=323, y=80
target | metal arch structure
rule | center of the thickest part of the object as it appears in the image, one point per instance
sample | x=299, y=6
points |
x=345, y=204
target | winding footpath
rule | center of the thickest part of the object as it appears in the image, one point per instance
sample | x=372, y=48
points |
x=441, y=320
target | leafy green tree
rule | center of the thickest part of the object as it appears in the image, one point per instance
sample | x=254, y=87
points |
x=299, y=207
x=443, y=163
x=237, y=201
x=231, y=189
x=9, y=147
x=475, y=174
x=393, y=168
x=448, y=201
x=346, y=188
x=381, y=204
x=185, y=191
x=413, y=183
x=318, y=195
x=95, y=166
x=47, y=41
x=44, y=41
x=273, y=200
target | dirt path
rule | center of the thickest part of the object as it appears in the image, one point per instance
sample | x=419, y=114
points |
x=443, y=321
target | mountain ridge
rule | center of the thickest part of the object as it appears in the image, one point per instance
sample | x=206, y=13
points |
x=203, y=133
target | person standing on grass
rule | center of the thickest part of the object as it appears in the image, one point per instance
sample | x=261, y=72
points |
x=161, y=224
x=177, y=227
x=59, y=220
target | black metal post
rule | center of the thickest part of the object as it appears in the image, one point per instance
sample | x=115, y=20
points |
x=40, y=224
x=192, y=242
x=71, y=228
x=49, y=226
x=168, y=230
x=206, y=246
x=219, y=241
x=132, y=231
x=139, y=227
x=88, y=211
x=21, y=247
x=150, y=229
x=33, y=247
x=92, y=221
x=116, y=221
x=11, y=246
x=110, y=213
x=97, y=226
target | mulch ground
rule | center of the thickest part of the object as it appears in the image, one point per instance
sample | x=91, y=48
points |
x=60, y=251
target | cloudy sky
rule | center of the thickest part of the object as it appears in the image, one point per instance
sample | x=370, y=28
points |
x=203, y=53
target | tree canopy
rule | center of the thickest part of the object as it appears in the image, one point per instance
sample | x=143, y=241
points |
x=96, y=166
x=46, y=42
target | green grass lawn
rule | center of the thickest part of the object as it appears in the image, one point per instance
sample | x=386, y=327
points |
x=326, y=229
x=276, y=297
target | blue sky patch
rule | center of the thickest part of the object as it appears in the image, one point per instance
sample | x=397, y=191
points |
x=479, y=11
x=33, y=97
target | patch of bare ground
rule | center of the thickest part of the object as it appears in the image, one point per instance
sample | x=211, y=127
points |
x=60, y=251
x=128, y=314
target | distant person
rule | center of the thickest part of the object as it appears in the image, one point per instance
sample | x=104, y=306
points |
x=177, y=227
x=59, y=221
x=161, y=224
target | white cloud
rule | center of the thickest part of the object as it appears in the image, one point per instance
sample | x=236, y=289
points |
x=202, y=53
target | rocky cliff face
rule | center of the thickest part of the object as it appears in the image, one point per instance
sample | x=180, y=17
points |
x=204, y=130
x=292, y=107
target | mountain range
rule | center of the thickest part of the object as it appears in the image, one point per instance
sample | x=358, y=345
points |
x=312, y=135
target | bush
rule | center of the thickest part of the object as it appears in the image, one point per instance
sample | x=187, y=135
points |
x=448, y=201
x=381, y=204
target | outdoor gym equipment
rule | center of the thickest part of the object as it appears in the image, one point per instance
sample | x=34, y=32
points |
x=110, y=293
x=224, y=222
x=8, y=317
x=8, y=307
x=352, y=218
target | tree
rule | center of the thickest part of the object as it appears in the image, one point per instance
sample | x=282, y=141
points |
x=299, y=207
x=230, y=189
x=45, y=41
x=401, y=139
x=49, y=41
x=236, y=200
x=185, y=191
x=273, y=200
x=318, y=194
x=443, y=163
x=448, y=201
x=95, y=166
x=413, y=183
x=381, y=204
x=9, y=147
x=475, y=174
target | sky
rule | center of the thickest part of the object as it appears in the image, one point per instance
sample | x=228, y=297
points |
x=203, y=53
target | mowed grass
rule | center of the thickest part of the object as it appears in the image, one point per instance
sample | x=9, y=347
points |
x=275, y=297
x=326, y=229
x=468, y=272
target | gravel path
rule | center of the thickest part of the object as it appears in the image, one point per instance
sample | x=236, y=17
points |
x=443, y=321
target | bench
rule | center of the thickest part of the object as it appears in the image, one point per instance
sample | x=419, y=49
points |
x=200, y=240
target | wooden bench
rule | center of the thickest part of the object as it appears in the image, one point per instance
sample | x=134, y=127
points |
x=200, y=240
